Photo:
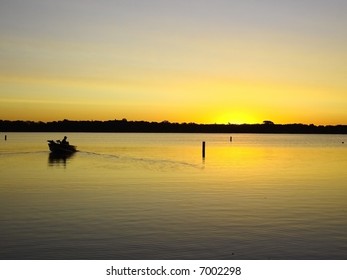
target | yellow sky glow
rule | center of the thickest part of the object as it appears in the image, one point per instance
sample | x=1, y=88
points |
x=166, y=64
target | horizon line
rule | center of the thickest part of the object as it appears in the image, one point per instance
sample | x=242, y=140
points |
x=265, y=122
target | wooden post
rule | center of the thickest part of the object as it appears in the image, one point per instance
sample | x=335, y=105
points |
x=203, y=149
x=231, y=139
x=5, y=137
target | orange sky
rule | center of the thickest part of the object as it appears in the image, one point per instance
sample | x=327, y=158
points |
x=183, y=61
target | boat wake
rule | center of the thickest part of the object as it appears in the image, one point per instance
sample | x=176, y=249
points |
x=122, y=160
x=22, y=153
x=146, y=162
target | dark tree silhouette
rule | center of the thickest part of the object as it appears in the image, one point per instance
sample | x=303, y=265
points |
x=164, y=126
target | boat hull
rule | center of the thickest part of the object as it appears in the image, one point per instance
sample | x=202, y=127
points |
x=59, y=148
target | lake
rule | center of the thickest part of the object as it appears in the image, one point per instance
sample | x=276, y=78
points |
x=153, y=196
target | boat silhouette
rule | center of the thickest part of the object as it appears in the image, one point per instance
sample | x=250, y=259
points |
x=58, y=147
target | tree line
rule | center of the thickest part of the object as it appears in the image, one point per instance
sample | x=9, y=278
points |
x=165, y=127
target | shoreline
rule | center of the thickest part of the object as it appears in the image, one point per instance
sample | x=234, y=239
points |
x=124, y=126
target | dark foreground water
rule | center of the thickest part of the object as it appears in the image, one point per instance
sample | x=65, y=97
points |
x=152, y=196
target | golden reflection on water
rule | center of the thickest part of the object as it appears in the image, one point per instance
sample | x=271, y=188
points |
x=243, y=201
x=280, y=161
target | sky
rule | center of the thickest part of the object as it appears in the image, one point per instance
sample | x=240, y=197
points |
x=203, y=61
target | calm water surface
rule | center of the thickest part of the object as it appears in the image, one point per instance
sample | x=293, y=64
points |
x=152, y=196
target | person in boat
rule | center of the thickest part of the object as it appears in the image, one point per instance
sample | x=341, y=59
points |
x=64, y=141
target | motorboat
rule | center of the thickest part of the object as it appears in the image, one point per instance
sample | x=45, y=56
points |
x=58, y=147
